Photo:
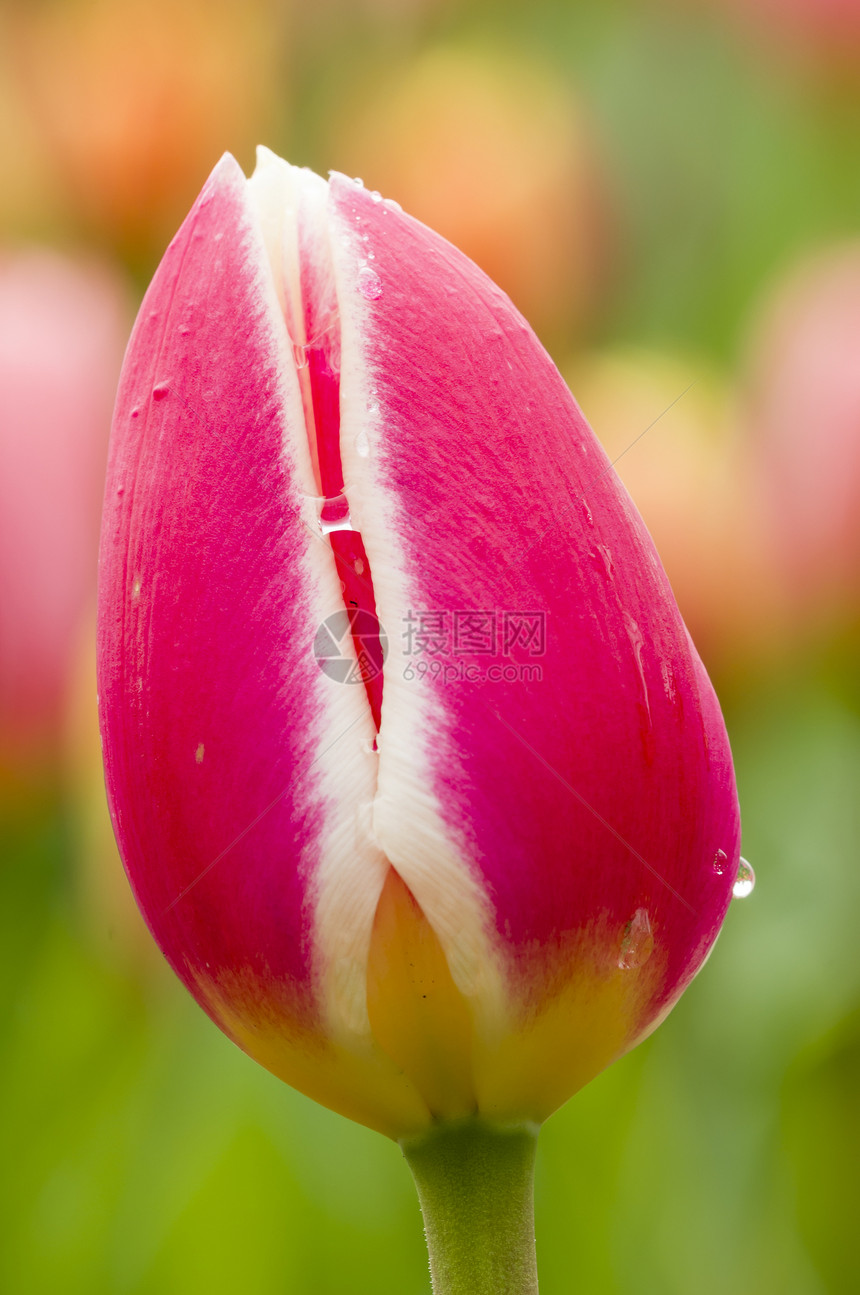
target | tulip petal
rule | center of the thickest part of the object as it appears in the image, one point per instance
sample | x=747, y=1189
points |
x=237, y=769
x=534, y=811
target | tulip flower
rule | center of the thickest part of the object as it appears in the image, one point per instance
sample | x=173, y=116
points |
x=62, y=323
x=803, y=412
x=672, y=430
x=109, y=93
x=418, y=779
x=494, y=152
x=826, y=31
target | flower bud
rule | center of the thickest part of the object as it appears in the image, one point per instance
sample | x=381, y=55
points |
x=61, y=331
x=418, y=779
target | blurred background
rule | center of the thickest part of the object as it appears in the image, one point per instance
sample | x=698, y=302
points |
x=670, y=192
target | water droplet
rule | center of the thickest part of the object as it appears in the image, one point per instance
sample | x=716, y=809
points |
x=371, y=256
x=637, y=642
x=602, y=559
x=359, y=567
x=375, y=195
x=300, y=356
x=373, y=408
x=199, y=753
x=334, y=514
x=362, y=445
x=368, y=745
x=135, y=413
x=184, y=330
x=120, y=490
x=358, y=180
x=395, y=206
x=638, y=942
x=720, y=861
x=161, y=391
x=745, y=880
x=136, y=587
x=369, y=283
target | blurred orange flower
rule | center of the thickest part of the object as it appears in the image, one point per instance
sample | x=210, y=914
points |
x=137, y=99
x=493, y=152
x=671, y=429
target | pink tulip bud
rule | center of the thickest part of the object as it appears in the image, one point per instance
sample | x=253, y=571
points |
x=803, y=408
x=61, y=329
x=418, y=778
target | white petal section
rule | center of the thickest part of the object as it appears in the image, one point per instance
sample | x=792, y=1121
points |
x=407, y=821
x=351, y=871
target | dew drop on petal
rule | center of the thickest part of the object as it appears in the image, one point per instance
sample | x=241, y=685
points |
x=161, y=391
x=720, y=861
x=745, y=880
x=136, y=587
x=375, y=195
x=369, y=283
x=362, y=445
x=334, y=514
x=638, y=942
x=300, y=356
x=395, y=206
x=135, y=413
x=199, y=753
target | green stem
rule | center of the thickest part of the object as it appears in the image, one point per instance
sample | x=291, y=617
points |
x=475, y=1184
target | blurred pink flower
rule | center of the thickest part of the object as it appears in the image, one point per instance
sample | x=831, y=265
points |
x=814, y=29
x=62, y=324
x=803, y=405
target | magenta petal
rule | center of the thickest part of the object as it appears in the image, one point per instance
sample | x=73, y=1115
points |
x=206, y=682
x=590, y=777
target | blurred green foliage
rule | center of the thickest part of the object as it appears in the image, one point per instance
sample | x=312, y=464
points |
x=144, y=1155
